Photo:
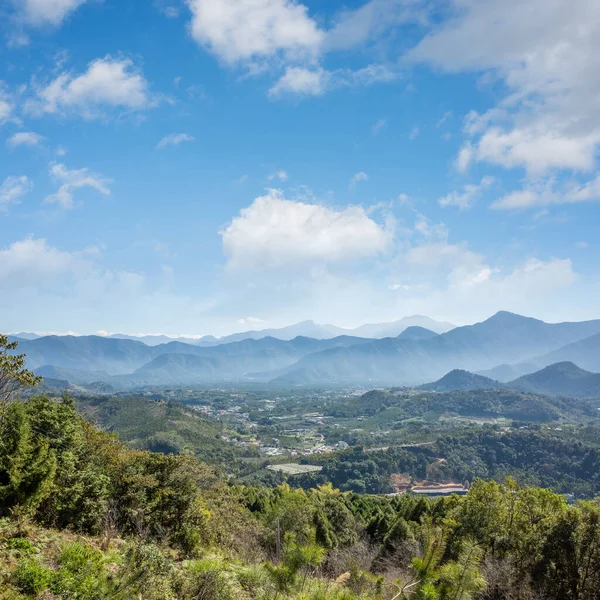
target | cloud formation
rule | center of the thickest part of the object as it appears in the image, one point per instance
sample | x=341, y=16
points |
x=545, y=193
x=108, y=83
x=47, y=12
x=24, y=138
x=254, y=30
x=274, y=232
x=469, y=194
x=13, y=189
x=73, y=180
x=548, y=56
x=174, y=139
x=357, y=178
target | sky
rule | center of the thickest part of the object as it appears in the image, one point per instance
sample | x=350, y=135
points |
x=209, y=166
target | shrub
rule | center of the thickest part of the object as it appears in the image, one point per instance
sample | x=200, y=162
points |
x=30, y=577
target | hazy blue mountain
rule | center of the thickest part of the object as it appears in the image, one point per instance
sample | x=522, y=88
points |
x=414, y=332
x=157, y=340
x=80, y=356
x=305, y=328
x=560, y=379
x=395, y=328
x=459, y=380
x=414, y=357
x=72, y=375
x=317, y=331
x=584, y=352
x=23, y=335
x=235, y=361
x=86, y=353
x=505, y=372
x=503, y=338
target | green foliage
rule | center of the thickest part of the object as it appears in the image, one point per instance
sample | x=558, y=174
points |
x=30, y=577
x=13, y=374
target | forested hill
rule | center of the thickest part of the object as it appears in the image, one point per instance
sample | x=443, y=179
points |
x=84, y=517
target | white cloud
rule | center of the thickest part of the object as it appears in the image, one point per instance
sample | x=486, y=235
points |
x=465, y=198
x=171, y=12
x=356, y=178
x=6, y=105
x=353, y=28
x=414, y=133
x=274, y=232
x=465, y=157
x=424, y=227
x=544, y=193
x=174, y=139
x=13, y=189
x=280, y=175
x=252, y=322
x=301, y=81
x=315, y=81
x=249, y=30
x=48, y=12
x=377, y=127
x=73, y=180
x=31, y=262
x=548, y=56
x=24, y=138
x=107, y=83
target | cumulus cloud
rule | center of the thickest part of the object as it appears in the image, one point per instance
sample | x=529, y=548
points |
x=248, y=30
x=548, y=55
x=24, y=138
x=274, y=232
x=48, y=12
x=73, y=180
x=13, y=189
x=468, y=195
x=107, y=83
x=357, y=178
x=174, y=139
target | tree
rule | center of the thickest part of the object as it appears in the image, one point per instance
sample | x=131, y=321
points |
x=27, y=463
x=13, y=374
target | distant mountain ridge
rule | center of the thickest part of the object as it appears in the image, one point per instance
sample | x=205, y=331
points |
x=304, y=329
x=503, y=338
x=414, y=357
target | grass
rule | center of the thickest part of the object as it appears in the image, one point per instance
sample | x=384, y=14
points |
x=294, y=469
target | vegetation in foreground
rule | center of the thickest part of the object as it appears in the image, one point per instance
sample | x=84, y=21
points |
x=84, y=517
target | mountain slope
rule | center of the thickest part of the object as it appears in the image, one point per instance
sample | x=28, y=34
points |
x=81, y=358
x=584, y=352
x=503, y=338
x=459, y=380
x=560, y=379
x=318, y=331
x=414, y=332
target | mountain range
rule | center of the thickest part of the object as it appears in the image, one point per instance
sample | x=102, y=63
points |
x=415, y=356
x=303, y=329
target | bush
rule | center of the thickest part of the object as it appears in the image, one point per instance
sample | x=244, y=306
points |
x=30, y=577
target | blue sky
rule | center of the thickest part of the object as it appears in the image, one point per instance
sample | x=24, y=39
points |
x=207, y=166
